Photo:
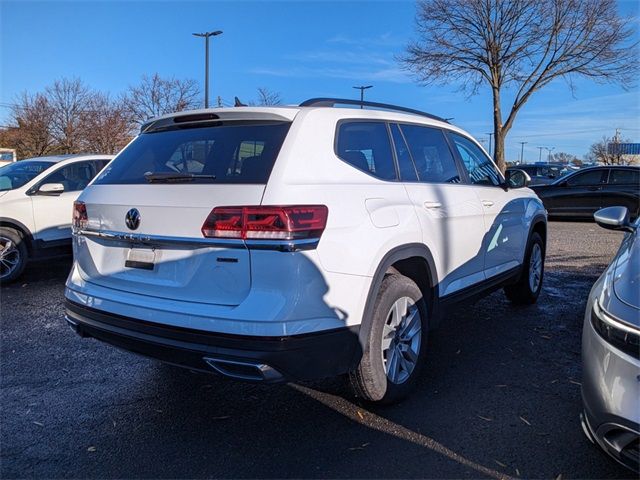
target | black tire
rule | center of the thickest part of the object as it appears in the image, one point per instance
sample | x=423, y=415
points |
x=370, y=380
x=12, y=263
x=522, y=293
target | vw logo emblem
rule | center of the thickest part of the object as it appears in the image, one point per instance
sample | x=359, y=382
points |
x=132, y=219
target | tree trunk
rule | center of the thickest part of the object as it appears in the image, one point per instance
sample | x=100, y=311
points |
x=498, y=132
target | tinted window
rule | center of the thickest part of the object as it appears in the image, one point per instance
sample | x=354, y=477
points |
x=624, y=177
x=431, y=154
x=593, y=177
x=405, y=164
x=74, y=177
x=366, y=146
x=17, y=174
x=242, y=153
x=480, y=168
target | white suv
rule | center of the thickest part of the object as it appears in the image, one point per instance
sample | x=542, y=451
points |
x=289, y=243
x=36, y=200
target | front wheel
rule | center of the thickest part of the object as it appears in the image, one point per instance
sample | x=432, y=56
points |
x=395, y=350
x=13, y=255
x=527, y=289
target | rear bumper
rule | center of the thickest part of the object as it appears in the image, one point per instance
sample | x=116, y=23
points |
x=267, y=359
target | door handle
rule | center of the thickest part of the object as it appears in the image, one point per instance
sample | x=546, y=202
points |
x=487, y=203
x=432, y=205
x=594, y=189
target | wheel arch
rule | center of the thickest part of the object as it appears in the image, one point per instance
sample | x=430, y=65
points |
x=414, y=261
x=21, y=229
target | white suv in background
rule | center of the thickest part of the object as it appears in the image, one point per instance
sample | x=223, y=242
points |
x=36, y=200
x=287, y=243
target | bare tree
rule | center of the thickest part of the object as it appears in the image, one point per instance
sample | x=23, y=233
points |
x=267, y=98
x=107, y=125
x=156, y=96
x=30, y=133
x=69, y=99
x=601, y=153
x=522, y=45
x=563, y=157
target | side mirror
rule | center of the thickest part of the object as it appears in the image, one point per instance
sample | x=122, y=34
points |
x=50, y=189
x=613, y=218
x=516, y=178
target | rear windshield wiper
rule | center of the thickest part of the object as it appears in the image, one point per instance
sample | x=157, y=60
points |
x=168, y=177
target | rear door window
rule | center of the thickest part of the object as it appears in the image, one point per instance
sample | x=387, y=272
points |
x=624, y=177
x=227, y=153
x=431, y=154
x=366, y=146
x=405, y=163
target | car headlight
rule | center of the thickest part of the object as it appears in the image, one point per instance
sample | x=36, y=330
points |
x=619, y=334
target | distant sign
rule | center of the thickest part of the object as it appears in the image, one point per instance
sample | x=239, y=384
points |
x=623, y=148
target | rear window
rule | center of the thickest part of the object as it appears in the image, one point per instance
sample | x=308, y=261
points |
x=227, y=153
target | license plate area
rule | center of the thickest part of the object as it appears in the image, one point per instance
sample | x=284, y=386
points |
x=142, y=258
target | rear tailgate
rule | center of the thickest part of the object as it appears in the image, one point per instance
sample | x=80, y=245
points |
x=170, y=179
x=185, y=271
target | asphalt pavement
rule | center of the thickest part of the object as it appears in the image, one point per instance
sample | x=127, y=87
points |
x=500, y=397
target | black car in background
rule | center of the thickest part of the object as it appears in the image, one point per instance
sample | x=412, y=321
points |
x=543, y=173
x=582, y=193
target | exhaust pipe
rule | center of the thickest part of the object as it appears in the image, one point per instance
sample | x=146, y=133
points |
x=256, y=372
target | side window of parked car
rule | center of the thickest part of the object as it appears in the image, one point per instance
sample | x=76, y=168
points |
x=431, y=154
x=624, y=177
x=366, y=146
x=405, y=163
x=481, y=169
x=74, y=177
x=593, y=177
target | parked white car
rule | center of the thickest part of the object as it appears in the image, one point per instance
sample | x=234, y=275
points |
x=287, y=243
x=36, y=201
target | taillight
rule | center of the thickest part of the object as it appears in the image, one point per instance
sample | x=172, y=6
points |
x=266, y=222
x=80, y=217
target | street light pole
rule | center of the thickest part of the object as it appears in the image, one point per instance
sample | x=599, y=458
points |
x=522, y=144
x=206, y=36
x=549, y=150
x=540, y=156
x=362, y=89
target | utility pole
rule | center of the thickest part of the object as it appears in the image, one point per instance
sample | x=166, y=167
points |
x=206, y=36
x=522, y=144
x=540, y=156
x=490, y=143
x=362, y=89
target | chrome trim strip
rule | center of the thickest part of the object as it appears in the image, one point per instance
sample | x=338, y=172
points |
x=161, y=240
x=614, y=322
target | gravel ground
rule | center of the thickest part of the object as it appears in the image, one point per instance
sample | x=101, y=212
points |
x=500, y=397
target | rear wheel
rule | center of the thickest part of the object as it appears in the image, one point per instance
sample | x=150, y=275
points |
x=13, y=255
x=395, y=350
x=527, y=290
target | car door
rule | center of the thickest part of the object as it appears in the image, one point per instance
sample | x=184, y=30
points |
x=504, y=210
x=449, y=211
x=579, y=195
x=52, y=213
x=622, y=189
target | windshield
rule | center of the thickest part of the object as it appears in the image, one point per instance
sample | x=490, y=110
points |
x=17, y=174
x=241, y=153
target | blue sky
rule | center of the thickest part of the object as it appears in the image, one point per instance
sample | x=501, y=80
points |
x=301, y=49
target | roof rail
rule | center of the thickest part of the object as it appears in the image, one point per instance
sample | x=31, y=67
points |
x=332, y=102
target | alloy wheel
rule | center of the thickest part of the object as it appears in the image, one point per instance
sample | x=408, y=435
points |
x=401, y=339
x=535, y=267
